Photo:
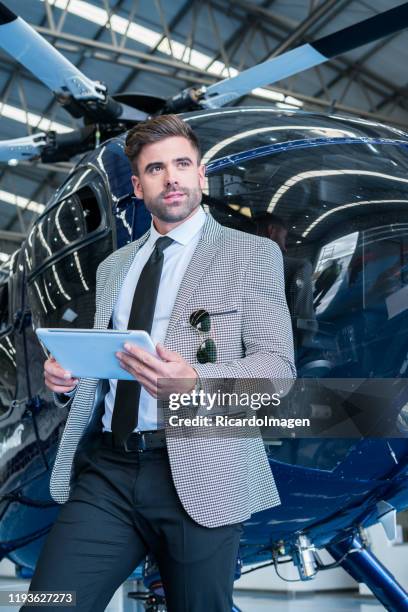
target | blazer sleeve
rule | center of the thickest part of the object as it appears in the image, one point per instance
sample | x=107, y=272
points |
x=266, y=325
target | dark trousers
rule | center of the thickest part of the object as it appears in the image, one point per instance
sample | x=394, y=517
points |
x=122, y=506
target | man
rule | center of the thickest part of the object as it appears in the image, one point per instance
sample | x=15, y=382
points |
x=133, y=489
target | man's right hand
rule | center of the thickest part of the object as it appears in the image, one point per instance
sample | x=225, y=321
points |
x=56, y=378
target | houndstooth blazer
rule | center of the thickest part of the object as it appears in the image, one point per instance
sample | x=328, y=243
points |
x=238, y=279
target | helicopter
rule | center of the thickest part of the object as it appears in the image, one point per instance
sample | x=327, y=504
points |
x=340, y=185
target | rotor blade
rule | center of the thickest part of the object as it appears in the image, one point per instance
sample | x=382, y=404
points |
x=31, y=50
x=306, y=56
x=26, y=148
x=50, y=147
x=80, y=96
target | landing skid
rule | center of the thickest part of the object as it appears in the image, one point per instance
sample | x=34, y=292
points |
x=151, y=601
x=156, y=603
x=364, y=566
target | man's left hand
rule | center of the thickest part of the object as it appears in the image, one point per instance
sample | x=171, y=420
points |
x=160, y=377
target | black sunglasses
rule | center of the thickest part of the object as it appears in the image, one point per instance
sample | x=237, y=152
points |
x=207, y=351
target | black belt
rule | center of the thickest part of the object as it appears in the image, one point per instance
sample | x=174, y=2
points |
x=137, y=442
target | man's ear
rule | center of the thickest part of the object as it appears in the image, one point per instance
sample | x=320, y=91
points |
x=201, y=175
x=137, y=187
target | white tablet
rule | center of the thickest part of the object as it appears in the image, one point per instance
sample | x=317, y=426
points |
x=90, y=353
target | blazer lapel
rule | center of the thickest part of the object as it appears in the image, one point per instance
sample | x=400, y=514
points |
x=207, y=248
x=112, y=288
x=204, y=253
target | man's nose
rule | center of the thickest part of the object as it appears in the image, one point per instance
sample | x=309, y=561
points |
x=170, y=179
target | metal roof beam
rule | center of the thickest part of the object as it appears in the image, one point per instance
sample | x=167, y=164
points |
x=356, y=66
x=399, y=96
x=19, y=211
x=101, y=46
x=287, y=25
x=304, y=26
x=149, y=56
x=12, y=236
x=336, y=107
x=243, y=30
x=340, y=7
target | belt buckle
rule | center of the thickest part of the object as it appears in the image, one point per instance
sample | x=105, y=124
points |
x=127, y=449
x=142, y=443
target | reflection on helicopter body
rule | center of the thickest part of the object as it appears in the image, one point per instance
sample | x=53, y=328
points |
x=298, y=281
x=363, y=272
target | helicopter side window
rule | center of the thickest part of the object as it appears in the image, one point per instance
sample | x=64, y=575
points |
x=71, y=220
x=339, y=217
x=68, y=242
x=90, y=208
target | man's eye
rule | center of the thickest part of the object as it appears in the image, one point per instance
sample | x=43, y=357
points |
x=155, y=169
x=183, y=163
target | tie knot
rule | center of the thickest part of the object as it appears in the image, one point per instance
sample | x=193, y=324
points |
x=162, y=244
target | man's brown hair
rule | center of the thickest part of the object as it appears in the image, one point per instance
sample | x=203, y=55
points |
x=154, y=130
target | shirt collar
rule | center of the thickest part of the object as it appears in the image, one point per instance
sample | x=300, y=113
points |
x=184, y=232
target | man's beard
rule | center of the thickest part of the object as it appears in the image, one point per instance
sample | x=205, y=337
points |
x=168, y=214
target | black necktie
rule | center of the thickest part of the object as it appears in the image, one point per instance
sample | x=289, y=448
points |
x=126, y=408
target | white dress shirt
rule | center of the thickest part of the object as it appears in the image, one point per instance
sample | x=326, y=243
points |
x=176, y=259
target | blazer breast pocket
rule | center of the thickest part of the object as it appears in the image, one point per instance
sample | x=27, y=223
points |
x=216, y=313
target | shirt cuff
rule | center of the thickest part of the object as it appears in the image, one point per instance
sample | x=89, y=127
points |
x=69, y=393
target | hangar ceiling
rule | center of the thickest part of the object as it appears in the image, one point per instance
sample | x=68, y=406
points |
x=160, y=47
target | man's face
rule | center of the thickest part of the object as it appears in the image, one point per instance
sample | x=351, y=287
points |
x=169, y=179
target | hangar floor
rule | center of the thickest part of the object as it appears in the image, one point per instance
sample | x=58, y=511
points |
x=248, y=601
